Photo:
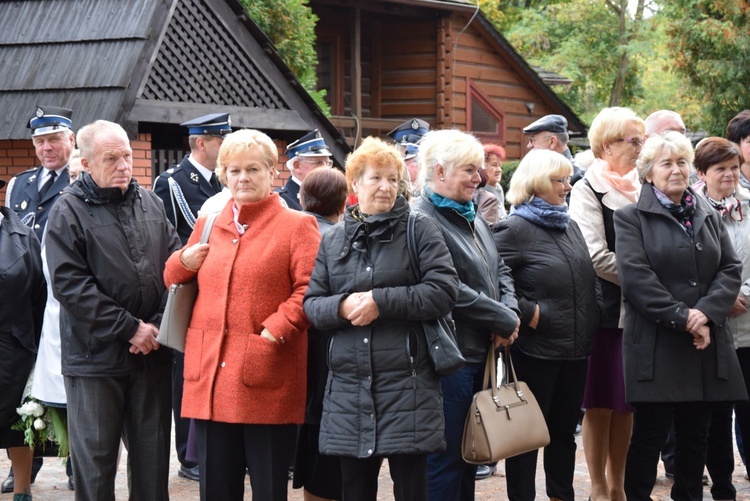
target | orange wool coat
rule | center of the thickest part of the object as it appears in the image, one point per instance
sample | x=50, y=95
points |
x=246, y=283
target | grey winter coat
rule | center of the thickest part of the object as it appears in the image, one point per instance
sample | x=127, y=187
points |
x=552, y=269
x=663, y=273
x=382, y=396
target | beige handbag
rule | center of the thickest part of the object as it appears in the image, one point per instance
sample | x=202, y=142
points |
x=179, y=309
x=502, y=422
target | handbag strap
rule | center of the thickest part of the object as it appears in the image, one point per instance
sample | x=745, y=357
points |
x=207, y=228
x=509, y=369
x=411, y=244
x=490, y=371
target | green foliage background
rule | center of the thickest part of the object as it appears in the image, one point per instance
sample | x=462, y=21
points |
x=290, y=25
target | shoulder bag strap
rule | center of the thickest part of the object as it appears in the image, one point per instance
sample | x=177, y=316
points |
x=411, y=244
x=210, y=219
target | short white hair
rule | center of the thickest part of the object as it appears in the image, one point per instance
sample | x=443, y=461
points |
x=449, y=148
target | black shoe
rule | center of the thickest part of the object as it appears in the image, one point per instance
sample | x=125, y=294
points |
x=485, y=471
x=705, y=479
x=10, y=482
x=189, y=473
x=71, y=484
x=579, y=429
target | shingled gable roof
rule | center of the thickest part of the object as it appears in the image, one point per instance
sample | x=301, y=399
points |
x=159, y=61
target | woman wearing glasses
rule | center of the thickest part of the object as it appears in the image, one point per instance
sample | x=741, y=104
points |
x=611, y=182
x=558, y=317
x=718, y=164
x=680, y=277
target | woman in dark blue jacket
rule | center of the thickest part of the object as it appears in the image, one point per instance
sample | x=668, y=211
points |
x=560, y=309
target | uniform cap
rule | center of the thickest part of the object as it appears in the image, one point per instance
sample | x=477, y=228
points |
x=48, y=119
x=404, y=133
x=309, y=145
x=215, y=124
x=548, y=123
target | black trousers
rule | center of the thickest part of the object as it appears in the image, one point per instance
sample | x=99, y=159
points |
x=181, y=425
x=650, y=427
x=226, y=451
x=359, y=477
x=742, y=409
x=558, y=386
x=720, y=452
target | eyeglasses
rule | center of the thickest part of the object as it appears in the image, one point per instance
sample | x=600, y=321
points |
x=560, y=180
x=635, y=141
x=318, y=163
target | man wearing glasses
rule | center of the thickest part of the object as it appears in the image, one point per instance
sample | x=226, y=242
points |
x=551, y=133
x=305, y=154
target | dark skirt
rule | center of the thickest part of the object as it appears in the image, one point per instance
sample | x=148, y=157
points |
x=605, y=382
x=319, y=475
x=16, y=363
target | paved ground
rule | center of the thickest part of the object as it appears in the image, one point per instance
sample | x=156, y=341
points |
x=51, y=484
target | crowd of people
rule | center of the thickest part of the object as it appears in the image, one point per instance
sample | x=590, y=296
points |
x=620, y=286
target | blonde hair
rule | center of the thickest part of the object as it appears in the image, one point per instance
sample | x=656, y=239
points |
x=534, y=175
x=374, y=152
x=242, y=141
x=608, y=127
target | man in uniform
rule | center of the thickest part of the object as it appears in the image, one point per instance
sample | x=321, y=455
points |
x=32, y=192
x=184, y=189
x=551, y=133
x=305, y=154
x=406, y=138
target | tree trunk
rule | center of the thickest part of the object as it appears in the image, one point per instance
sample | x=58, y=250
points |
x=627, y=34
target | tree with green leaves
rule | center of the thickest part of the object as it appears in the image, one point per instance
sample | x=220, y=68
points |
x=710, y=42
x=290, y=25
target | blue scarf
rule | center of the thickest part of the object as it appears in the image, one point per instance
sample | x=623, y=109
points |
x=466, y=209
x=542, y=213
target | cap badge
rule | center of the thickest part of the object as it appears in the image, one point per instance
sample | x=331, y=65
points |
x=414, y=124
x=39, y=112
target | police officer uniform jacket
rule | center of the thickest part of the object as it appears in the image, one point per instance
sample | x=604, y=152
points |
x=23, y=197
x=195, y=191
x=290, y=194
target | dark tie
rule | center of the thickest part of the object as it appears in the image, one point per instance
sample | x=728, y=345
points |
x=47, y=184
x=215, y=183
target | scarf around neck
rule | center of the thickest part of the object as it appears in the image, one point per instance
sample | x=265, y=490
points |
x=682, y=212
x=627, y=183
x=543, y=213
x=465, y=209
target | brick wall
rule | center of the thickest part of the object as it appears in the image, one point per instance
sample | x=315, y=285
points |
x=18, y=155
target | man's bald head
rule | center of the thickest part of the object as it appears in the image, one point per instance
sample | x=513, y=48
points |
x=662, y=121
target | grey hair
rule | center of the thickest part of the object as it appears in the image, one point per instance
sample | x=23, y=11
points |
x=87, y=135
x=449, y=148
x=654, y=145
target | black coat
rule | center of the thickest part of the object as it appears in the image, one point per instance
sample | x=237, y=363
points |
x=486, y=297
x=663, y=273
x=290, y=194
x=23, y=290
x=382, y=396
x=106, y=252
x=24, y=197
x=195, y=189
x=551, y=268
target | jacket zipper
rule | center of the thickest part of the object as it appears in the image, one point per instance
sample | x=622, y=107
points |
x=484, y=258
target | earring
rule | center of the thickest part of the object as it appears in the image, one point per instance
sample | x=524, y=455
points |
x=442, y=179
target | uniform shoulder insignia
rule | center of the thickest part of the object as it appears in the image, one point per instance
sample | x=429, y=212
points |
x=169, y=171
x=194, y=178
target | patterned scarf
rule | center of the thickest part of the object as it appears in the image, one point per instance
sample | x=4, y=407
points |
x=682, y=212
x=542, y=213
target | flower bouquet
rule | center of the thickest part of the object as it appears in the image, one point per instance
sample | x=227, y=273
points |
x=41, y=425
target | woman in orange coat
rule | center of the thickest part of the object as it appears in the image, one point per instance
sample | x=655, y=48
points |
x=246, y=348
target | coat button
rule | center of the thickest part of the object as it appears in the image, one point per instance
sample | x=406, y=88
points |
x=40, y=207
x=369, y=452
x=234, y=241
x=367, y=340
x=223, y=364
x=36, y=226
x=368, y=268
x=693, y=283
x=372, y=416
x=699, y=246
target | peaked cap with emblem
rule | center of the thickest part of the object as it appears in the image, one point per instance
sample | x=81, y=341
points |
x=408, y=134
x=49, y=119
x=548, y=123
x=309, y=145
x=215, y=124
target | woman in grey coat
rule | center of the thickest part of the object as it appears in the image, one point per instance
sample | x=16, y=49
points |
x=382, y=398
x=680, y=277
